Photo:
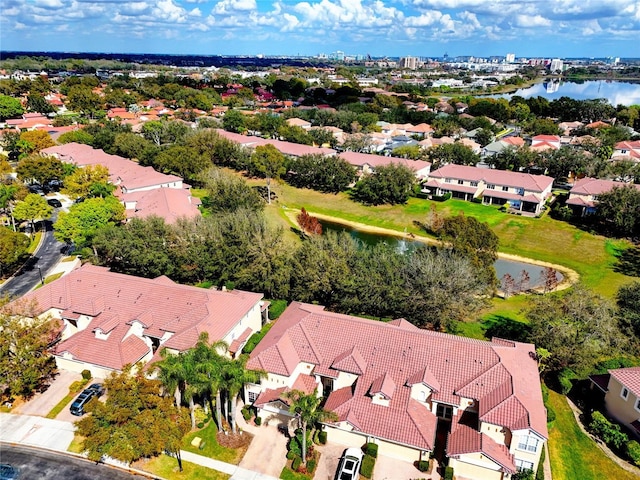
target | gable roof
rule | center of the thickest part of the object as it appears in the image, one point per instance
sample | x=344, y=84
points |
x=389, y=357
x=116, y=300
x=596, y=186
x=629, y=377
x=168, y=203
x=535, y=183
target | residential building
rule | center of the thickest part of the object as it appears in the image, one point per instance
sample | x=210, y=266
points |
x=621, y=388
x=499, y=146
x=522, y=191
x=366, y=163
x=541, y=143
x=583, y=196
x=396, y=385
x=627, y=151
x=286, y=148
x=409, y=63
x=110, y=319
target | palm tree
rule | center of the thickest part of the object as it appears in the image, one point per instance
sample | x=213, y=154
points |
x=236, y=376
x=210, y=365
x=172, y=374
x=305, y=407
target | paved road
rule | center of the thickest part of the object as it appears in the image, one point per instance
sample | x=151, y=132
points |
x=45, y=465
x=43, y=260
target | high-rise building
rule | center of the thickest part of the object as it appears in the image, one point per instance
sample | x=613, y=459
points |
x=556, y=65
x=510, y=57
x=410, y=63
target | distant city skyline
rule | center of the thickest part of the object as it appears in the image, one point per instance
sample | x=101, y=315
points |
x=421, y=28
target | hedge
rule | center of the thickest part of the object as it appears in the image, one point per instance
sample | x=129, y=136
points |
x=366, y=467
x=633, y=450
x=322, y=437
x=609, y=432
x=371, y=449
x=296, y=463
x=423, y=465
x=448, y=473
x=258, y=421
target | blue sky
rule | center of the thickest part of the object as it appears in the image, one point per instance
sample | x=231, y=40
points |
x=551, y=28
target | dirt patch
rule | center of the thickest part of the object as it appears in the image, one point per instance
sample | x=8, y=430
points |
x=234, y=440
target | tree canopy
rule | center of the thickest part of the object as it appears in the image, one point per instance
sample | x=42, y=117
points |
x=83, y=220
x=391, y=184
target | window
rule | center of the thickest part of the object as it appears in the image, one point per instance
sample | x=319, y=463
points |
x=460, y=182
x=422, y=396
x=252, y=397
x=528, y=443
x=505, y=189
x=447, y=180
x=491, y=186
x=624, y=393
x=474, y=184
x=638, y=404
x=522, y=465
x=444, y=411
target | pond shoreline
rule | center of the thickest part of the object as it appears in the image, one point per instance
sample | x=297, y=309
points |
x=570, y=277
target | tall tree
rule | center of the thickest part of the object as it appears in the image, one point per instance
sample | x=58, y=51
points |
x=306, y=407
x=25, y=363
x=134, y=422
x=83, y=220
x=577, y=327
x=390, y=184
x=40, y=169
x=13, y=246
x=227, y=192
x=236, y=376
x=267, y=162
x=80, y=182
x=628, y=301
x=10, y=107
x=33, y=207
x=620, y=208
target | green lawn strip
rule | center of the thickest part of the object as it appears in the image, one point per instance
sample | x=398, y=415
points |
x=50, y=279
x=74, y=389
x=76, y=444
x=573, y=454
x=199, y=192
x=165, y=466
x=35, y=241
x=288, y=474
x=69, y=259
x=212, y=448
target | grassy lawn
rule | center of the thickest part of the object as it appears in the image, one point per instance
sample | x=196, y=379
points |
x=35, y=240
x=592, y=256
x=74, y=389
x=212, y=448
x=573, y=454
x=76, y=444
x=167, y=467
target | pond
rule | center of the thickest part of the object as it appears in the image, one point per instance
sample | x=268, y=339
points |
x=403, y=245
x=616, y=92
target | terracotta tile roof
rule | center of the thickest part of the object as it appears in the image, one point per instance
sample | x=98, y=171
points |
x=515, y=141
x=360, y=159
x=115, y=301
x=596, y=186
x=464, y=440
x=235, y=345
x=384, y=385
x=535, y=183
x=167, y=203
x=391, y=354
x=629, y=377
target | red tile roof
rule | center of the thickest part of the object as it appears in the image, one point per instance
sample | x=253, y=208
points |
x=534, y=183
x=115, y=301
x=501, y=375
x=168, y=203
x=360, y=159
x=596, y=186
x=464, y=440
x=629, y=377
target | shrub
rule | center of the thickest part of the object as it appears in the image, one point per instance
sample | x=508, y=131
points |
x=366, y=467
x=564, y=378
x=441, y=198
x=246, y=413
x=297, y=461
x=258, y=421
x=322, y=437
x=371, y=449
x=291, y=455
x=86, y=374
x=609, y=432
x=476, y=200
x=423, y=465
x=448, y=473
x=276, y=307
x=633, y=450
x=551, y=414
x=200, y=425
x=311, y=465
x=256, y=337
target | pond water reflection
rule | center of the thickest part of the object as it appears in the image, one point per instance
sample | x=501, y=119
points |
x=403, y=245
x=617, y=93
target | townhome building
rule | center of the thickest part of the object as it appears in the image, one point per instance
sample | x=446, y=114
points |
x=583, y=196
x=627, y=151
x=413, y=392
x=523, y=192
x=366, y=163
x=108, y=320
x=621, y=389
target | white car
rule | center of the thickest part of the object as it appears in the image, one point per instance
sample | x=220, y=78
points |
x=349, y=466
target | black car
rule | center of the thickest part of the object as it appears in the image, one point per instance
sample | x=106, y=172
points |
x=35, y=188
x=54, y=202
x=96, y=387
x=77, y=407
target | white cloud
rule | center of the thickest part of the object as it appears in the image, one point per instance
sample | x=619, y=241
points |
x=48, y=3
x=528, y=21
x=226, y=7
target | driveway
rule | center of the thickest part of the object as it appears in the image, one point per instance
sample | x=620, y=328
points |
x=267, y=452
x=329, y=457
x=42, y=403
x=388, y=468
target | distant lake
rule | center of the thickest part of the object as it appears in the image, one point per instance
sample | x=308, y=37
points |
x=502, y=267
x=617, y=93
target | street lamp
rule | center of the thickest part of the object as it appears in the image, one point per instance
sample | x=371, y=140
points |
x=41, y=277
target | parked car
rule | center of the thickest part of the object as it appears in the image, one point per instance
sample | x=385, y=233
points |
x=349, y=466
x=8, y=472
x=36, y=188
x=77, y=407
x=96, y=387
x=54, y=202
